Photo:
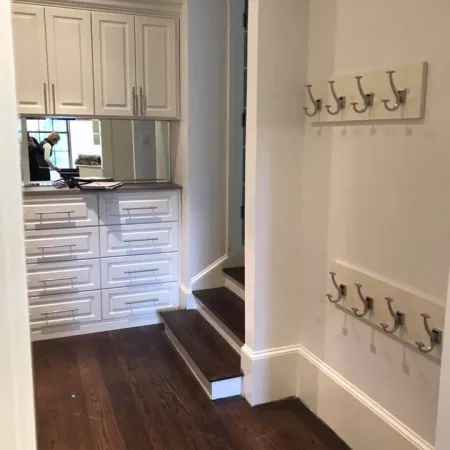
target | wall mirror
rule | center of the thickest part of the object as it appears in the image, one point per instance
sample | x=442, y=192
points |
x=125, y=150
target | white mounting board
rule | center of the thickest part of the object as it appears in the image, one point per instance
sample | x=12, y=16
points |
x=412, y=304
x=412, y=77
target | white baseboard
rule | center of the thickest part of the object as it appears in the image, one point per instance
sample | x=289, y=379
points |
x=360, y=421
x=93, y=327
x=269, y=375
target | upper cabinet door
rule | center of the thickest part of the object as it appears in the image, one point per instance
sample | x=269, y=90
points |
x=114, y=64
x=69, y=47
x=157, y=66
x=30, y=59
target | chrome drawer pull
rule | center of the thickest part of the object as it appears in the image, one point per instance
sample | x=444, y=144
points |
x=61, y=311
x=57, y=279
x=54, y=212
x=130, y=272
x=57, y=246
x=141, y=207
x=152, y=300
x=141, y=240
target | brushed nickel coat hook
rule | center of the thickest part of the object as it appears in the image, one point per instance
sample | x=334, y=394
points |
x=367, y=302
x=318, y=103
x=434, y=334
x=341, y=289
x=400, y=94
x=341, y=102
x=367, y=98
x=398, y=316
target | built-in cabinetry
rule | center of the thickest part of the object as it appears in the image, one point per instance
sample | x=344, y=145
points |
x=79, y=62
x=100, y=261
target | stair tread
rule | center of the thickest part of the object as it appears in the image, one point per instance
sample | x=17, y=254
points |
x=227, y=307
x=214, y=357
x=237, y=273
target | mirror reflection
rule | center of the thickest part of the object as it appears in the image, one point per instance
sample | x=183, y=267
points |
x=124, y=150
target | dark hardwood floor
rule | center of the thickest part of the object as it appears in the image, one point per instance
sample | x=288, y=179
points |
x=130, y=390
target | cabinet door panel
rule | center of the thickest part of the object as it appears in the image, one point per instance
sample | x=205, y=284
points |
x=69, y=45
x=157, y=66
x=30, y=54
x=114, y=63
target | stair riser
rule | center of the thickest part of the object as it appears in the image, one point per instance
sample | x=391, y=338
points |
x=215, y=390
x=219, y=326
x=234, y=287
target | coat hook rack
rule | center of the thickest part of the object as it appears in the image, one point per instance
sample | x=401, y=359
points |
x=340, y=101
x=434, y=334
x=398, y=316
x=318, y=103
x=367, y=301
x=341, y=289
x=400, y=94
x=367, y=98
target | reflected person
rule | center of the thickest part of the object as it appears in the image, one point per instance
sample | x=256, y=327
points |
x=40, y=157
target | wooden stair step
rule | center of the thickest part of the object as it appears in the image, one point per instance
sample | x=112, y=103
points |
x=214, y=357
x=237, y=273
x=227, y=307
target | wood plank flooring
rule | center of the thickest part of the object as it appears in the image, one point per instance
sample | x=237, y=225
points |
x=130, y=390
x=238, y=273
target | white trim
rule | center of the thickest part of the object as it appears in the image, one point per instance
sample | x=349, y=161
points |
x=209, y=269
x=87, y=328
x=234, y=286
x=271, y=353
x=161, y=8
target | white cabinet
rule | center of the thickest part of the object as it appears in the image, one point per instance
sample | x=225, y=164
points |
x=69, y=48
x=30, y=54
x=114, y=64
x=135, y=65
x=53, y=54
x=157, y=66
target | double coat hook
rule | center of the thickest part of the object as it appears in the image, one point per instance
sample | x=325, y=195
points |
x=367, y=98
x=434, y=334
x=341, y=102
x=340, y=288
x=400, y=94
x=316, y=102
x=398, y=316
x=367, y=301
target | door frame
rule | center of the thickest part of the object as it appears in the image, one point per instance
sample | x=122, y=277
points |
x=236, y=135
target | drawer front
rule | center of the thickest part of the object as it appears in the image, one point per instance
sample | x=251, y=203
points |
x=135, y=270
x=65, y=309
x=138, y=207
x=139, y=300
x=61, y=277
x=123, y=240
x=61, y=245
x=60, y=211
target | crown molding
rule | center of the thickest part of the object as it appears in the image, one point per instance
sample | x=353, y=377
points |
x=160, y=8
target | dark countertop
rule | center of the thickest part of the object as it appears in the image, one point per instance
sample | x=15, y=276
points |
x=127, y=186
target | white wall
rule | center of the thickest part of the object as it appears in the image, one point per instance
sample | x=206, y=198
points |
x=199, y=152
x=17, y=427
x=373, y=195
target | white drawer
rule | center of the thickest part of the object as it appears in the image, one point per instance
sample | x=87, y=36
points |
x=143, y=269
x=138, y=207
x=123, y=240
x=61, y=277
x=65, y=309
x=61, y=245
x=138, y=300
x=60, y=211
